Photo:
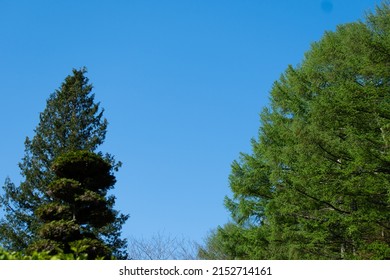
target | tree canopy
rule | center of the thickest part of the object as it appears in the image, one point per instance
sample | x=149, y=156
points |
x=317, y=183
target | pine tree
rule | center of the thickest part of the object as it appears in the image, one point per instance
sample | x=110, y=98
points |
x=71, y=121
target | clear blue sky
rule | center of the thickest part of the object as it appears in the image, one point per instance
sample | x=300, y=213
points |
x=182, y=83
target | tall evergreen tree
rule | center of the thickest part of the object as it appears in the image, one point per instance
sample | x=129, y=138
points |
x=71, y=121
x=318, y=180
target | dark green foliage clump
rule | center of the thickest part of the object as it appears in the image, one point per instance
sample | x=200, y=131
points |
x=88, y=169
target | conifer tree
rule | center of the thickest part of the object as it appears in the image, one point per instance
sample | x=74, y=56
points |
x=317, y=183
x=71, y=121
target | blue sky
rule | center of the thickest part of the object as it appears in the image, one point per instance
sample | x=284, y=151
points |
x=182, y=83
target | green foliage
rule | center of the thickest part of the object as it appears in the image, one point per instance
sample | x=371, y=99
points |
x=89, y=248
x=75, y=255
x=232, y=242
x=317, y=184
x=78, y=210
x=71, y=121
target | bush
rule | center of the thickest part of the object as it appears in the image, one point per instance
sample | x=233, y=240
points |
x=4, y=255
